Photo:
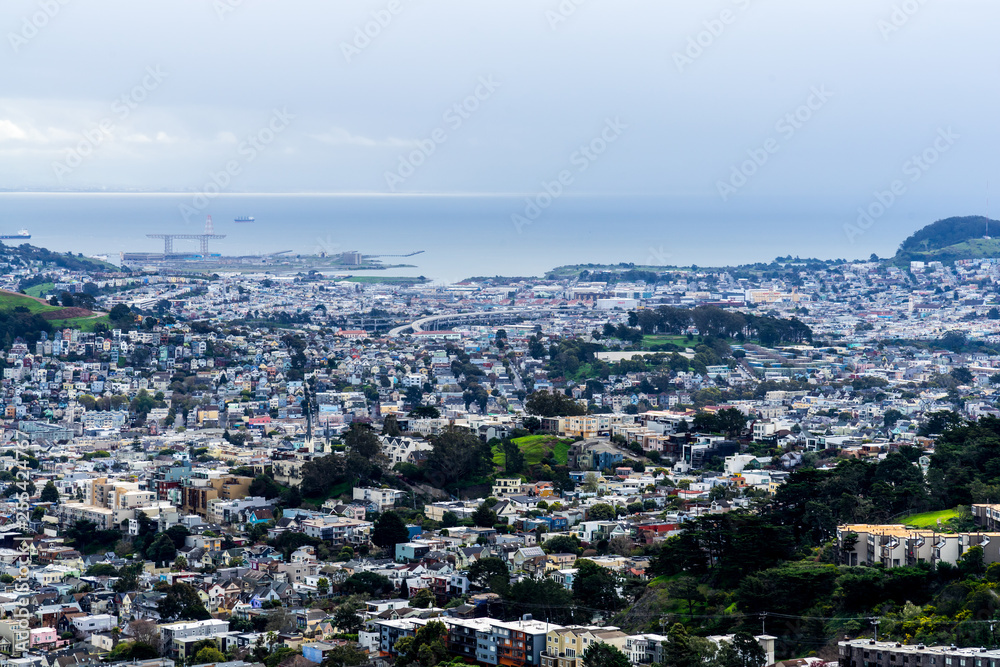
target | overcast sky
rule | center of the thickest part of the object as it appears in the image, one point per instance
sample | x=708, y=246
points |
x=885, y=80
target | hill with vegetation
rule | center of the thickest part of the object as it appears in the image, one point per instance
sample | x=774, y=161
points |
x=952, y=239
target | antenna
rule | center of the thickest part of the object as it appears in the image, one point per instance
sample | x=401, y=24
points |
x=209, y=229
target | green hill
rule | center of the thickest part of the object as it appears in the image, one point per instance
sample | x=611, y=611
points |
x=952, y=239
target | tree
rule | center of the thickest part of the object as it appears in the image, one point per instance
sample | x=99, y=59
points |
x=346, y=618
x=449, y=520
x=120, y=313
x=513, y=457
x=133, y=651
x=426, y=648
x=425, y=412
x=50, y=494
x=484, y=517
x=600, y=512
x=962, y=375
x=684, y=650
x=162, y=550
x=322, y=585
x=554, y=404
x=483, y=572
x=144, y=631
x=181, y=602
x=208, y=654
x=370, y=584
x=744, y=651
x=545, y=598
x=600, y=654
x=563, y=544
x=731, y=422
x=344, y=656
x=390, y=427
x=596, y=587
x=686, y=588
x=458, y=455
x=389, y=530
x=890, y=418
x=423, y=599
x=265, y=487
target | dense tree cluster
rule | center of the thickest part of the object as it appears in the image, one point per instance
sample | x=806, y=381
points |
x=719, y=323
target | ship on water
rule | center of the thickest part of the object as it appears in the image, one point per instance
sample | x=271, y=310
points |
x=244, y=218
x=21, y=234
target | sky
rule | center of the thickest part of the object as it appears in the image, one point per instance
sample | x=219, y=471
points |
x=862, y=103
x=692, y=86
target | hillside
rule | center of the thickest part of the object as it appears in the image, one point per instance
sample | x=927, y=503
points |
x=951, y=239
x=57, y=316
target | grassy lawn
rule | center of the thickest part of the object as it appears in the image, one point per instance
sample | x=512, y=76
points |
x=535, y=447
x=659, y=339
x=929, y=519
x=10, y=300
x=82, y=323
x=39, y=290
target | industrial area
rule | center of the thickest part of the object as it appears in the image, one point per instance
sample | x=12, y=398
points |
x=204, y=259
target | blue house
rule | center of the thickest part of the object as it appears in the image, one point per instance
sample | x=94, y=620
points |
x=607, y=459
x=316, y=651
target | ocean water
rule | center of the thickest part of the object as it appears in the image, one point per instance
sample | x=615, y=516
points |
x=473, y=235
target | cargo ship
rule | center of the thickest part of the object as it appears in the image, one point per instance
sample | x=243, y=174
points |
x=21, y=234
x=244, y=218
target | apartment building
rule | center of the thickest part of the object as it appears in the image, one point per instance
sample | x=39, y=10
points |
x=202, y=487
x=506, y=486
x=564, y=647
x=385, y=498
x=645, y=649
x=337, y=530
x=899, y=546
x=987, y=516
x=870, y=653
x=176, y=635
x=486, y=640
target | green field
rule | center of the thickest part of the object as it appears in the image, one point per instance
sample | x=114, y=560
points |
x=929, y=519
x=39, y=290
x=659, y=339
x=10, y=300
x=535, y=447
x=82, y=323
